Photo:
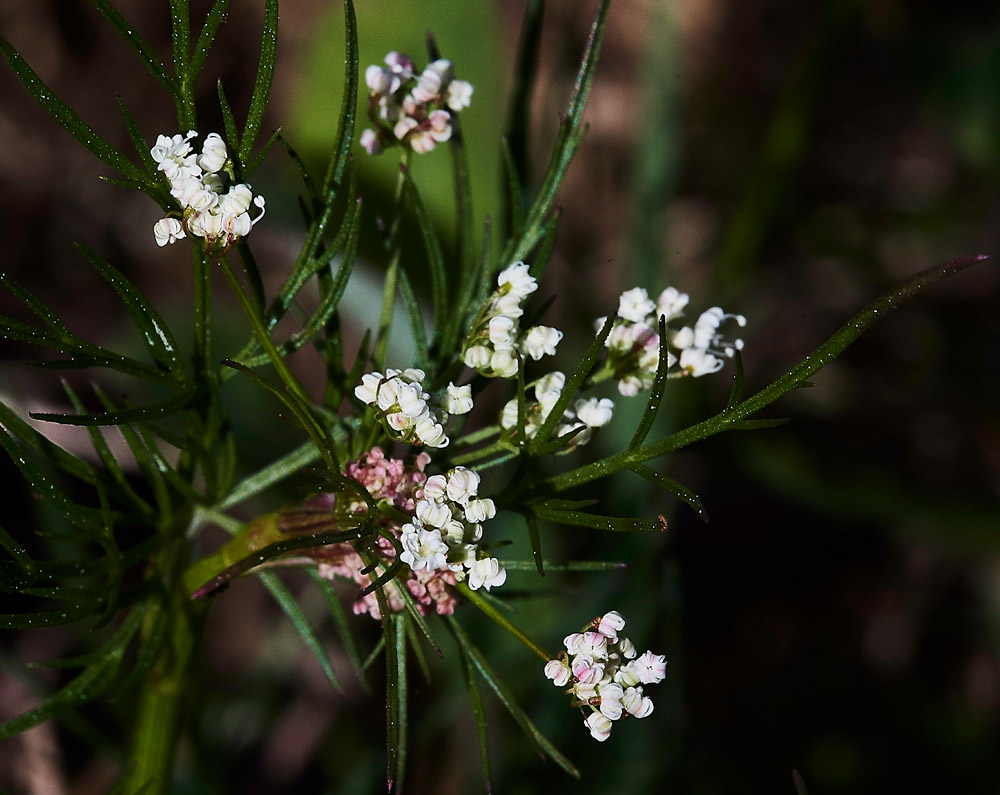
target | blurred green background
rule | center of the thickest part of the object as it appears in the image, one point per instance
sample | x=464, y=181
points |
x=840, y=615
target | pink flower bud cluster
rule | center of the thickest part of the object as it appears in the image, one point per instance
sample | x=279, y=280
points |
x=213, y=206
x=585, y=414
x=408, y=413
x=391, y=482
x=496, y=337
x=601, y=670
x=409, y=108
x=634, y=343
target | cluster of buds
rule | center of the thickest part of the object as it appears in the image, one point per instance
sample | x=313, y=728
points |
x=604, y=675
x=634, y=342
x=408, y=413
x=586, y=414
x=496, y=335
x=395, y=485
x=408, y=108
x=213, y=205
x=446, y=528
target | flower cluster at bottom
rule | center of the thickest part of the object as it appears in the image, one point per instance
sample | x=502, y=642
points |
x=432, y=524
x=605, y=675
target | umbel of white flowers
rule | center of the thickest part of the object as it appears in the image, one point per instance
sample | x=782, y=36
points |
x=496, y=337
x=409, y=413
x=410, y=109
x=446, y=528
x=604, y=675
x=634, y=343
x=213, y=206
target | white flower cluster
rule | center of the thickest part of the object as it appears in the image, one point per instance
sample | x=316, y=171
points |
x=446, y=529
x=587, y=413
x=496, y=334
x=633, y=345
x=603, y=673
x=410, y=109
x=214, y=208
x=411, y=414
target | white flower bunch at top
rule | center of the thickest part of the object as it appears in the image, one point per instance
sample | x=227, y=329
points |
x=634, y=342
x=445, y=530
x=586, y=414
x=601, y=670
x=408, y=108
x=409, y=413
x=213, y=207
x=496, y=337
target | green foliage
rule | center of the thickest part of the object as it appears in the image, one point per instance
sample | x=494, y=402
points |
x=145, y=587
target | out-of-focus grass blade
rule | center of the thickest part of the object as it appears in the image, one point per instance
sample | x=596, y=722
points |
x=412, y=637
x=507, y=698
x=679, y=490
x=89, y=684
x=262, y=85
x=155, y=332
x=298, y=618
x=570, y=135
x=339, y=617
x=65, y=115
x=515, y=142
x=212, y=21
x=478, y=714
x=655, y=393
x=49, y=450
x=502, y=621
x=142, y=149
x=136, y=42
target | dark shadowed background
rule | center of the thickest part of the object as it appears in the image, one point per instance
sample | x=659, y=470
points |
x=839, y=615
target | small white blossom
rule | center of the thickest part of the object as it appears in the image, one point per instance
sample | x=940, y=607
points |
x=167, y=230
x=610, y=623
x=458, y=399
x=594, y=413
x=540, y=341
x=486, y=573
x=423, y=548
x=517, y=280
x=463, y=484
x=636, y=704
x=459, y=95
x=650, y=668
x=671, y=303
x=697, y=362
x=480, y=510
x=558, y=672
x=599, y=726
x=611, y=700
x=213, y=153
x=635, y=305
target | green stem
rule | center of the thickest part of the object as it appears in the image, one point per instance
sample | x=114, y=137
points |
x=160, y=712
x=477, y=436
